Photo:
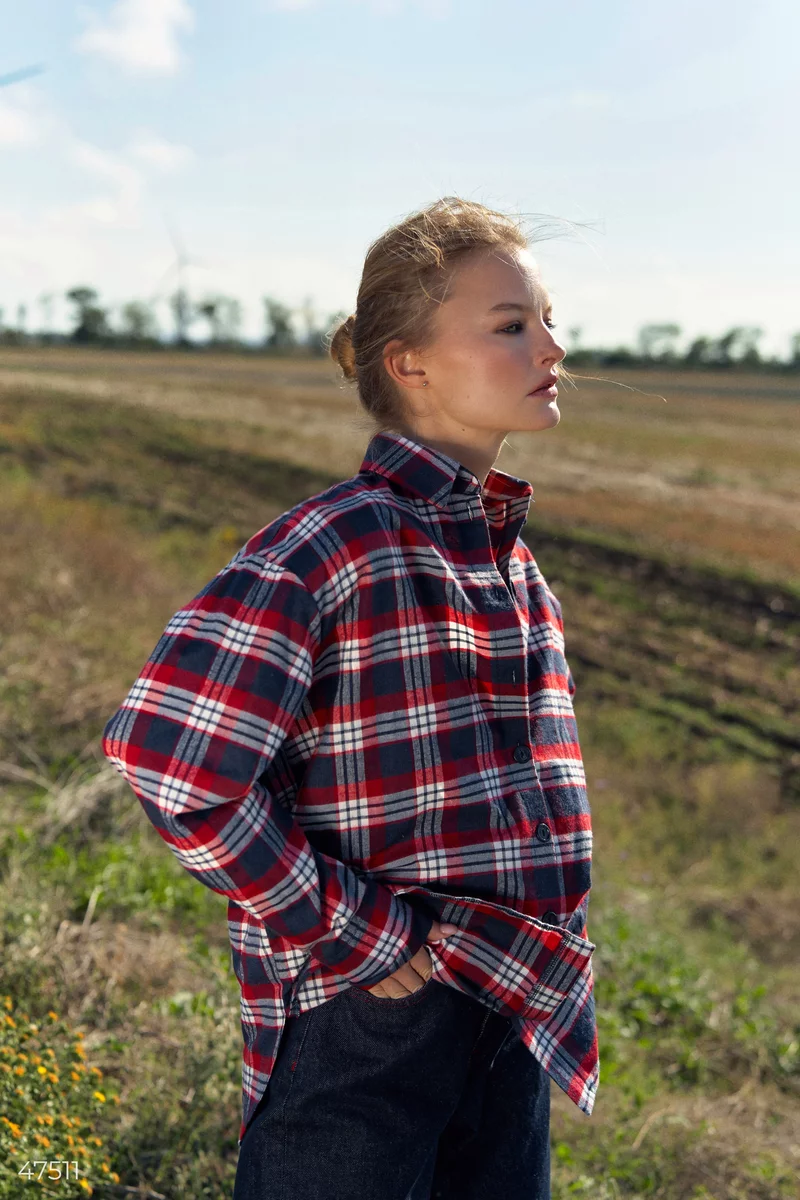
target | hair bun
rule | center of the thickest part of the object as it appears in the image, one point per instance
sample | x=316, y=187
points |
x=342, y=347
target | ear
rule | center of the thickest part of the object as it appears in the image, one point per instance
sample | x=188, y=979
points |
x=402, y=365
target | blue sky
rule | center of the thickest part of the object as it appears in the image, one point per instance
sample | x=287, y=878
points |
x=280, y=137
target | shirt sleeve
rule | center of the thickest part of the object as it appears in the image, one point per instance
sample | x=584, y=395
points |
x=206, y=716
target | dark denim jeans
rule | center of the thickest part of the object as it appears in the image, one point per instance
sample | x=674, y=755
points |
x=429, y=1097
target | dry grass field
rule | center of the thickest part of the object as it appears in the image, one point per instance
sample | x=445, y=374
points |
x=704, y=463
x=667, y=520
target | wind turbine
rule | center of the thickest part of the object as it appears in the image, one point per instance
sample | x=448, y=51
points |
x=181, y=306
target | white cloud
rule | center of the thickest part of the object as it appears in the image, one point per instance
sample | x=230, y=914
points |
x=437, y=9
x=139, y=35
x=156, y=151
x=589, y=100
x=22, y=119
x=17, y=127
x=121, y=205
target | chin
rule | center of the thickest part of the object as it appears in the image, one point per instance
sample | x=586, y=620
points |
x=548, y=417
x=534, y=420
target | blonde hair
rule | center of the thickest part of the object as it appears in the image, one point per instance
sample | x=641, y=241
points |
x=406, y=276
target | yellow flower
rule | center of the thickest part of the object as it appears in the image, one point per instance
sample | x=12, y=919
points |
x=78, y=1048
x=48, y=1119
x=75, y=1076
x=5, y=1067
x=51, y=1052
x=84, y=1183
x=115, y=1176
x=95, y=1071
x=15, y=1129
x=96, y=1141
x=20, y=1070
x=23, y=1057
x=42, y=1139
x=104, y=1167
x=8, y=1002
x=10, y=1021
x=41, y=1070
x=70, y=1139
x=51, y=1075
x=100, y=1097
x=52, y=1014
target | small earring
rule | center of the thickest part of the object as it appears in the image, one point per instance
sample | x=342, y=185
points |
x=425, y=383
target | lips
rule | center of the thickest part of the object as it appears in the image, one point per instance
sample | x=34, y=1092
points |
x=549, y=388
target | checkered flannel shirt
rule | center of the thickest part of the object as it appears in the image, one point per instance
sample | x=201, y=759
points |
x=364, y=722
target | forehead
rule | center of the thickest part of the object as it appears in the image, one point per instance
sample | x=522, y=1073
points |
x=499, y=281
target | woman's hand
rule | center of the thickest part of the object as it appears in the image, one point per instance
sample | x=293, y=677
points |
x=414, y=973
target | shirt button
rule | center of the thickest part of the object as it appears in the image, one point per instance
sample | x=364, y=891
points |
x=543, y=832
x=521, y=753
x=550, y=917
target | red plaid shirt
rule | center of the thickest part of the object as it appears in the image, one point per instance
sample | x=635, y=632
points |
x=364, y=722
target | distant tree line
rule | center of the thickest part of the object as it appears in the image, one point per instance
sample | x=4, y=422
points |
x=656, y=345
x=215, y=322
x=212, y=322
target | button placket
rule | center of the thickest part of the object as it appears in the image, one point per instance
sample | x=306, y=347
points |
x=522, y=752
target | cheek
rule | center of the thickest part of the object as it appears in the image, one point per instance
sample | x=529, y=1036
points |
x=501, y=352
x=478, y=364
x=507, y=358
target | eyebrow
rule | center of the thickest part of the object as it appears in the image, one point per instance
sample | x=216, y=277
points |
x=522, y=307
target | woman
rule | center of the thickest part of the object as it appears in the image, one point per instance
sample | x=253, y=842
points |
x=361, y=731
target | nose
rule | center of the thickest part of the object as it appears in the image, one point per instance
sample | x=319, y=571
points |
x=551, y=351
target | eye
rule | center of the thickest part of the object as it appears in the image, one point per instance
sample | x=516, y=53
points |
x=549, y=324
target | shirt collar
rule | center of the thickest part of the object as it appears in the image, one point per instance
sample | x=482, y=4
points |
x=432, y=475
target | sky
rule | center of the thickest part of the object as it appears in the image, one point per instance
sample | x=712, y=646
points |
x=274, y=140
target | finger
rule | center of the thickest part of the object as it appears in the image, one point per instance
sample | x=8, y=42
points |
x=410, y=978
x=407, y=992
